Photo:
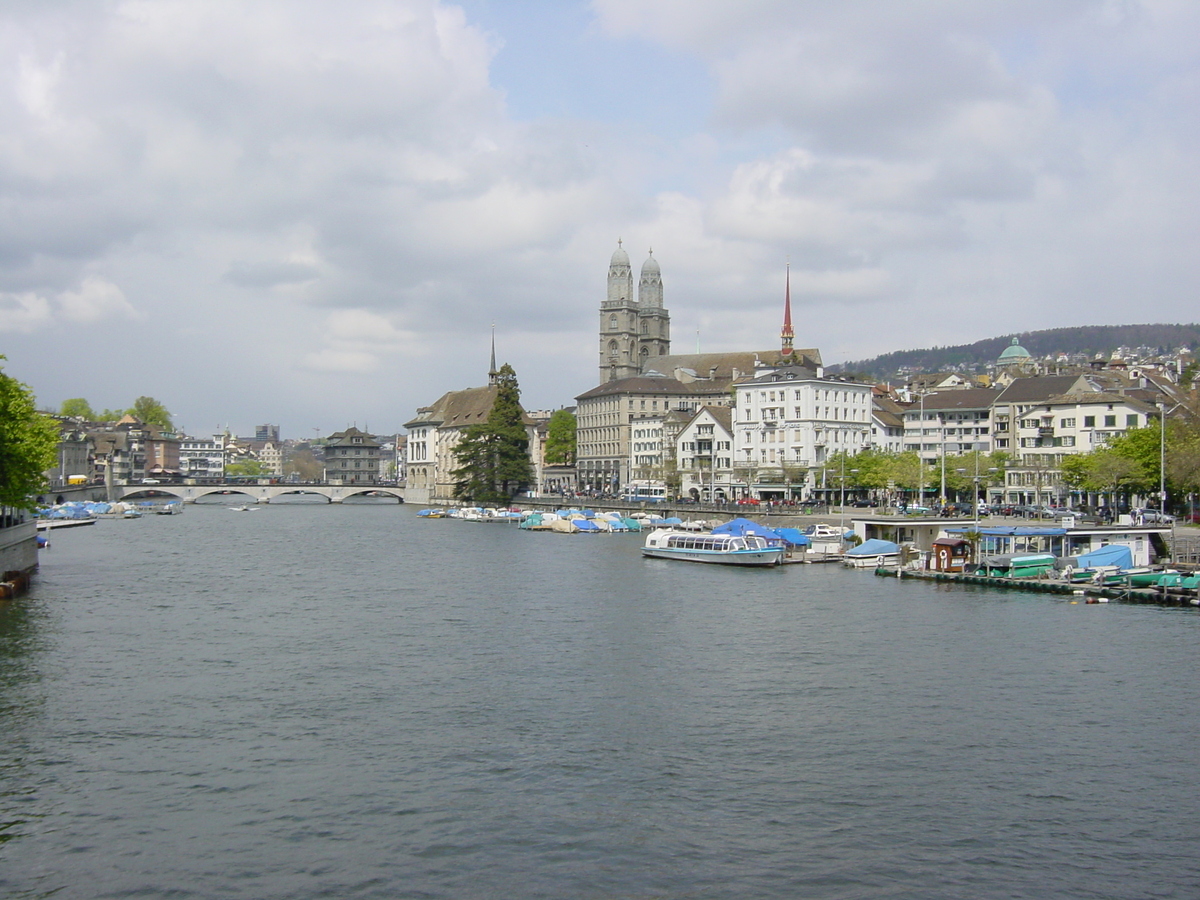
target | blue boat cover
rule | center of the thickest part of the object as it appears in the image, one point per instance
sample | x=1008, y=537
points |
x=874, y=547
x=794, y=536
x=1110, y=555
x=586, y=525
x=745, y=526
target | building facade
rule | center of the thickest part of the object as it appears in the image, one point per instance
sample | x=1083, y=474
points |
x=351, y=457
x=704, y=451
x=789, y=420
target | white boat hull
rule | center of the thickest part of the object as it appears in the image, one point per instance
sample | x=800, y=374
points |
x=872, y=562
x=770, y=557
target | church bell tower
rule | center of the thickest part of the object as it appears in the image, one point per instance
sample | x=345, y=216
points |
x=633, y=331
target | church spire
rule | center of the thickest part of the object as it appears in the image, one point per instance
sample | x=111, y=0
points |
x=493, y=375
x=786, y=334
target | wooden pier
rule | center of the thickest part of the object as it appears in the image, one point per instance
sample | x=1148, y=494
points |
x=1092, y=592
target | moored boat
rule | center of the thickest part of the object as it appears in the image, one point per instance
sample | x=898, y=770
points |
x=722, y=549
x=872, y=554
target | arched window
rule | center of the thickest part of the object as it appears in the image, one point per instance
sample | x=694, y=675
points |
x=612, y=349
x=612, y=322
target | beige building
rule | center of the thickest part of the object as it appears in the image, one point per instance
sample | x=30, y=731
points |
x=434, y=435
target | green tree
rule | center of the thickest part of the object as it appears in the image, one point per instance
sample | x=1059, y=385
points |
x=303, y=465
x=28, y=445
x=151, y=412
x=1183, y=460
x=561, y=438
x=908, y=472
x=246, y=468
x=1141, y=446
x=1103, y=471
x=77, y=408
x=494, y=455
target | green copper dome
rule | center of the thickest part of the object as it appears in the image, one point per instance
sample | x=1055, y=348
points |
x=1015, y=353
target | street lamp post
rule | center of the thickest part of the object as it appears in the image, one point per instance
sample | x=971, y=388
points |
x=921, y=455
x=842, y=515
x=1162, y=458
x=942, y=439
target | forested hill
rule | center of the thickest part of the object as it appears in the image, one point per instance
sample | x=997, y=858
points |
x=1085, y=339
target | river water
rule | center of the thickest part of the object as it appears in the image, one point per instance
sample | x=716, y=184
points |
x=350, y=702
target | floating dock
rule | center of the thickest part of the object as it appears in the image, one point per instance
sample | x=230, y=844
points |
x=1094, y=593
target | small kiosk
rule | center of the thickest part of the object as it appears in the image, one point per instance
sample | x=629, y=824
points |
x=950, y=554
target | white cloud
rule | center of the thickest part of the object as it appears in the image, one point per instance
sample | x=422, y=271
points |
x=301, y=195
x=96, y=299
x=23, y=313
x=356, y=362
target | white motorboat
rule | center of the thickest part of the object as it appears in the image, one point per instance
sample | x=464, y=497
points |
x=722, y=549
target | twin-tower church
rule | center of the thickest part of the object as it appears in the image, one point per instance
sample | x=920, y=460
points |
x=633, y=329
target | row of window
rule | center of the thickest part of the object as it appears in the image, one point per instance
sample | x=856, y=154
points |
x=829, y=395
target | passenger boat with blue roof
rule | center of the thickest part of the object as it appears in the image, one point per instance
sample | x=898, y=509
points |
x=721, y=549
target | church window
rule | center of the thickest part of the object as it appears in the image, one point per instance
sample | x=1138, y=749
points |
x=612, y=323
x=645, y=327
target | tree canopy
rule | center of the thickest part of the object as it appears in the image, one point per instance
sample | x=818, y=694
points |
x=151, y=412
x=493, y=456
x=877, y=469
x=28, y=445
x=246, y=468
x=303, y=465
x=561, y=438
x=77, y=408
x=1133, y=462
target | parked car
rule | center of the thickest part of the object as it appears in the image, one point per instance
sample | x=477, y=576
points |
x=1152, y=517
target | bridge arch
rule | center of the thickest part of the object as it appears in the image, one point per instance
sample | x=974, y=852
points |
x=259, y=493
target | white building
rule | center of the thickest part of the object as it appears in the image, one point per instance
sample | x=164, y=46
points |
x=646, y=453
x=789, y=420
x=1046, y=433
x=704, y=453
x=203, y=458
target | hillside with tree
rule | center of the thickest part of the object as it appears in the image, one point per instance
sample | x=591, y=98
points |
x=1089, y=340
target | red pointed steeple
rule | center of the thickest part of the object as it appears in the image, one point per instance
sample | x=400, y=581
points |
x=787, y=334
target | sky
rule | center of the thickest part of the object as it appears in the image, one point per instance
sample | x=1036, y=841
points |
x=313, y=214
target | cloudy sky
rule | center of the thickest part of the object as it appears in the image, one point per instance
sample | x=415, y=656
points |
x=312, y=213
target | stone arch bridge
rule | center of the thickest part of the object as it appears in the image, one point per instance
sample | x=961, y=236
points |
x=255, y=493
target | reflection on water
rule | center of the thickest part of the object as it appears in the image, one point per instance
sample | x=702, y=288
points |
x=348, y=701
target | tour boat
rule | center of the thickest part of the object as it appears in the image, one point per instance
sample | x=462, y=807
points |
x=723, y=549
